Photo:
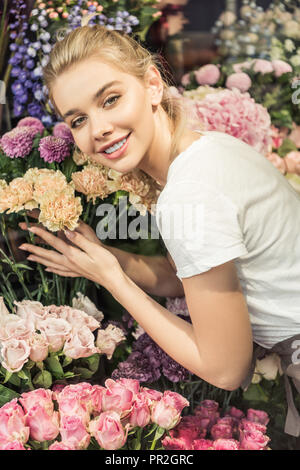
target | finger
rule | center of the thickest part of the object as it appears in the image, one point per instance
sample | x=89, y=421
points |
x=79, y=240
x=50, y=255
x=51, y=239
x=62, y=273
x=24, y=226
x=46, y=262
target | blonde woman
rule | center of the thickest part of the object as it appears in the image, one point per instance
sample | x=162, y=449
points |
x=239, y=272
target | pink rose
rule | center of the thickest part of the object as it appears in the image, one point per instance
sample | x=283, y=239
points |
x=202, y=444
x=246, y=425
x=189, y=429
x=140, y=414
x=207, y=75
x=292, y=160
x=235, y=413
x=15, y=353
x=56, y=389
x=174, y=443
x=17, y=328
x=96, y=399
x=31, y=310
x=263, y=66
x=61, y=446
x=221, y=431
x=108, y=339
x=12, y=423
x=117, y=397
x=167, y=412
x=56, y=330
x=108, y=430
x=76, y=400
x=226, y=444
x=80, y=343
x=208, y=409
x=73, y=431
x=13, y=445
x=277, y=161
x=38, y=347
x=185, y=79
x=152, y=395
x=40, y=396
x=43, y=427
x=130, y=384
x=258, y=416
x=241, y=81
x=280, y=67
x=253, y=440
x=77, y=318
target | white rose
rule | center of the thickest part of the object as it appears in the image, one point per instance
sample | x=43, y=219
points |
x=56, y=330
x=82, y=302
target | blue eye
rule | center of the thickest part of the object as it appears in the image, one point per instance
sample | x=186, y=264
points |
x=74, y=125
x=116, y=97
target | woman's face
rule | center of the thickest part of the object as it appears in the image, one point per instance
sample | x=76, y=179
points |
x=126, y=108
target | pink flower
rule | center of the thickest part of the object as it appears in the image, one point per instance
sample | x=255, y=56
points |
x=43, y=427
x=31, y=310
x=12, y=423
x=277, y=161
x=73, y=431
x=226, y=444
x=167, y=412
x=241, y=81
x=152, y=395
x=62, y=130
x=235, y=413
x=117, y=397
x=185, y=79
x=258, y=416
x=202, y=444
x=61, y=446
x=15, y=353
x=208, y=409
x=239, y=67
x=77, y=318
x=130, y=384
x=18, y=142
x=280, y=67
x=140, y=414
x=189, y=429
x=76, y=400
x=16, y=328
x=53, y=149
x=253, y=440
x=12, y=445
x=221, y=431
x=263, y=66
x=292, y=160
x=96, y=399
x=40, y=396
x=32, y=122
x=246, y=425
x=207, y=75
x=80, y=343
x=173, y=443
x=295, y=135
x=38, y=347
x=108, y=431
x=56, y=331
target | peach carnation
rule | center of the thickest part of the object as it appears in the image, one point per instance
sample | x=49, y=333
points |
x=60, y=210
x=91, y=181
x=49, y=182
x=79, y=157
x=17, y=196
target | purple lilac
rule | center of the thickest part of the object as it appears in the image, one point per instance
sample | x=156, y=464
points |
x=53, y=149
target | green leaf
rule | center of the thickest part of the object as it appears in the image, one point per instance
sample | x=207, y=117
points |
x=67, y=361
x=91, y=362
x=159, y=433
x=42, y=379
x=7, y=376
x=6, y=394
x=55, y=367
x=255, y=393
x=84, y=373
x=23, y=374
x=286, y=147
x=136, y=444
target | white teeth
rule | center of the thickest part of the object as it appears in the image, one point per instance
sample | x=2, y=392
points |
x=113, y=148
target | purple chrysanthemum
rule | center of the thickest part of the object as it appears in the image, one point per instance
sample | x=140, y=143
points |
x=62, y=130
x=53, y=149
x=136, y=367
x=18, y=142
x=172, y=370
x=32, y=122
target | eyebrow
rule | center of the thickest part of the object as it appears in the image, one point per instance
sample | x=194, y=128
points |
x=94, y=97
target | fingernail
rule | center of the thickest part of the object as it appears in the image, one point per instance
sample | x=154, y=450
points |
x=69, y=234
x=22, y=247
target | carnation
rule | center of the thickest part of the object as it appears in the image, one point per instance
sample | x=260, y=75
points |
x=44, y=182
x=60, y=210
x=18, y=142
x=17, y=196
x=53, y=149
x=137, y=367
x=33, y=122
x=91, y=181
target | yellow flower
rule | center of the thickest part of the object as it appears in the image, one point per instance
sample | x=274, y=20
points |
x=60, y=209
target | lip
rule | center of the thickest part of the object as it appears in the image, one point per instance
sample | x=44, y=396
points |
x=118, y=152
x=111, y=144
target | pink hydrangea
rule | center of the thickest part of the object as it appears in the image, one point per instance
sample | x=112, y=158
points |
x=17, y=143
x=33, y=122
x=241, y=81
x=262, y=66
x=207, y=75
x=234, y=113
x=53, y=149
x=280, y=67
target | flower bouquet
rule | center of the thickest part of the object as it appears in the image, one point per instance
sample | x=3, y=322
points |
x=120, y=415
x=41, y=345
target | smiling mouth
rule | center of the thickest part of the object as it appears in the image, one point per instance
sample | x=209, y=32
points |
x=119, y=151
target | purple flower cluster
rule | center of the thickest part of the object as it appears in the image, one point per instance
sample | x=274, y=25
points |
x=53, y=149
x=32, y=122
x=18, y=142
x=62, y=130
x=148, y=362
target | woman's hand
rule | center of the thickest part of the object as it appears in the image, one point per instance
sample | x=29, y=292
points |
x=78, y=254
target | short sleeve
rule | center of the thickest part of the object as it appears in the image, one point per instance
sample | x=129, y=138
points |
x=199, y=226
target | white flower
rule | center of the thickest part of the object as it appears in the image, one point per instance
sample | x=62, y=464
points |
x=289, y=45
x=83, y=303
x=267, y=368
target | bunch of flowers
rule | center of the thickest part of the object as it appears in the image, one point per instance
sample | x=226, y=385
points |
x=207, y=430
x=50, y=21
x=108, y=417
x=258, y=32
x=41, y=343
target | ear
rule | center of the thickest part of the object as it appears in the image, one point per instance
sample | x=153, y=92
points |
x=154, y=85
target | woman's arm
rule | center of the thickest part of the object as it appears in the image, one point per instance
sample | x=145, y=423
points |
x=218, y=346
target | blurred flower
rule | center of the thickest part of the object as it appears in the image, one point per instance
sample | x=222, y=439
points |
x=241, y=81
x=62, y=130
x=280, y=67
x=32, y=122
x=207, y=75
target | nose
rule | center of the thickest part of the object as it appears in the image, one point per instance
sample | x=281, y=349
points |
x=100, y=127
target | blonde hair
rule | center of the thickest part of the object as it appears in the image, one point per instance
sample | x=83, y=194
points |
x=122, y=51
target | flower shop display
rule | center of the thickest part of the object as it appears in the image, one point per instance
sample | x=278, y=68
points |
x=119, y=415
x=42, y=344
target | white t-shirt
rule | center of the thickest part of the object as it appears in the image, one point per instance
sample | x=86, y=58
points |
x=233, y=204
